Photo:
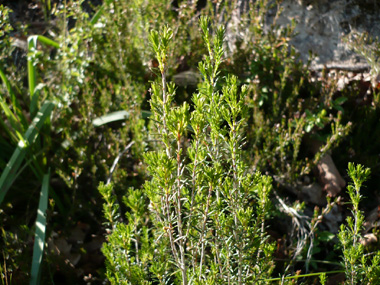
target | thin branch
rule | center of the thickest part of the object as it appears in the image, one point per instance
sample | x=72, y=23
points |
x=115, y=162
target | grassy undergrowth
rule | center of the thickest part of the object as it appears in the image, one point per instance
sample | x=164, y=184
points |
x=181, y=118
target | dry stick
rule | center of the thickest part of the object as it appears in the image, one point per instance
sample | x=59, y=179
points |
x=112, y=169
x=169, y=227
x=217, y=252
x=172, y=242
x=217, y=255
x=182, y=238
x=296, y=217
x=262, y=236
x=164, y=101
x=215, y=158
x=114, y=164
x=203, y=229
x=194, y=190
x=235, y=187
x=299, y=221
x=217, y=195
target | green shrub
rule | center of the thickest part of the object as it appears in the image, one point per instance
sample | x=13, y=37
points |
x=289, y=110
x=360, y=267
x=206, y=213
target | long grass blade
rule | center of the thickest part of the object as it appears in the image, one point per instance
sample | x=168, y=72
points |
x=303, y=275
x=32, y=75
x=15, y=129
x=9, y=174
x=47, y=41
x=39, y=240
x=17, y=123
x=32, y=71
x=97, y=15
x=117, y=116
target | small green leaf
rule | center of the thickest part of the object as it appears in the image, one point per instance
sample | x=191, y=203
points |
x=309, y=127
x=340, y=100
